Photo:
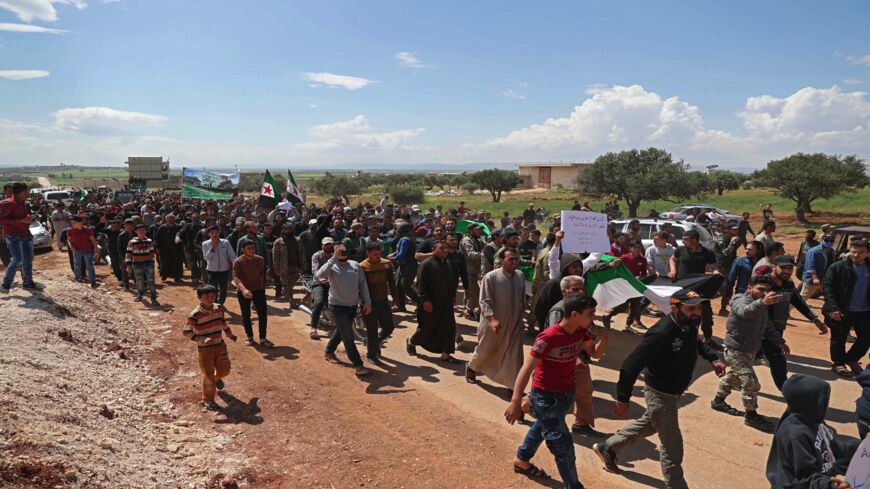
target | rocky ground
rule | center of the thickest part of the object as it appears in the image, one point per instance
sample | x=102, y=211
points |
x=81, y=406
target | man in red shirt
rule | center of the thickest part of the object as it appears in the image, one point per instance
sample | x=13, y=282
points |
x=15, y=218
x=553, y=358
x=81, y=241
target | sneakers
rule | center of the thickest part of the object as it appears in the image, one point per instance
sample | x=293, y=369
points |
x=219, y=384
x=33, y=286
x=586, y=430
x=4, y=289
x=361, y=371
x=760, y=423
x=330, y=357
x=608, y=458
x=266, y=343
x=856, y=368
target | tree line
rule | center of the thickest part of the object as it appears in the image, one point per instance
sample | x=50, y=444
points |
x=633, y=176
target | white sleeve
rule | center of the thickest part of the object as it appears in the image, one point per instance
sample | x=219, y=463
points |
x=590, y=261
x=553, y=262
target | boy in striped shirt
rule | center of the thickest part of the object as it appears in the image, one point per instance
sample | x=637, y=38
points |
x=206, y=326
x=140, y=263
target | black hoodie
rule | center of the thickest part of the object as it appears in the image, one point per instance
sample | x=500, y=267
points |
x=805, y=452
x=551, y=292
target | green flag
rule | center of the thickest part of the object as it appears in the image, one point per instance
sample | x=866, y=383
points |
x=294, y=194
x=462, y=226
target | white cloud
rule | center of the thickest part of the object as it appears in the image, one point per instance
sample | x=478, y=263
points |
x=333, y=80
x=9, y=27
x=102, y=120
x=312, y=106
x=357, y=133
x=23, y=74
x=410, y=60
x=859, y=60
x=853, y=81
x=621, y=117
x=511, y=94
x=29, y=10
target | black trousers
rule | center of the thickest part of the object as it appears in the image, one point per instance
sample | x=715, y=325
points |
x=404, y=284
x=382, y=316
x=707, y=320
x=117, y=265
x=219, y=281
x=860, y=322
x=258, y=298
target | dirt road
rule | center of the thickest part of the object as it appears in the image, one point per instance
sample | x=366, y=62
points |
x=415, y=423
x=44, y=181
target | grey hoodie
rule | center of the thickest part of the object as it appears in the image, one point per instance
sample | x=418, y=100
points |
x=748, y=324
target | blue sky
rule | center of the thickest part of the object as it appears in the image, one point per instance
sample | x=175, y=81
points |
x=322, y=84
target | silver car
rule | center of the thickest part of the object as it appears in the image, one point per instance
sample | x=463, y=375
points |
x=682, y=212
x=41, y=236
x=648, y=227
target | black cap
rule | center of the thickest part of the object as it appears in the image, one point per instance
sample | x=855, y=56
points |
x=495, y=232
x=828, y=237
x=784, y=260
x=687, y=297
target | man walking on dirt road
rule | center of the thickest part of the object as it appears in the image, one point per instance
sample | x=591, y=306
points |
x=667, y=355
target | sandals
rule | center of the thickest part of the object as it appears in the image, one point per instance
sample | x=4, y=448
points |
x=842, y=370
x=532, y=472
x=450, y=359
x=470, y=375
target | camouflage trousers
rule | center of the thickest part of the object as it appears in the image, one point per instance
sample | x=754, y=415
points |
x=740, y=376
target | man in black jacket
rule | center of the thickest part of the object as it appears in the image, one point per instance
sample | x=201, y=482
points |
x=124, y=237
x=667, y=356
x=847, y=306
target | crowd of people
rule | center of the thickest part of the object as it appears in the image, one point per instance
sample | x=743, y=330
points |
x=374, y=259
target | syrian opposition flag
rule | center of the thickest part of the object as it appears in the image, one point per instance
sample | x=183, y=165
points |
x=611, y=287
x=294, y=194
x=268, y=199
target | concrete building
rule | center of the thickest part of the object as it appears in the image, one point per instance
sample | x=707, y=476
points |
x=549, y=175
x=153, y=170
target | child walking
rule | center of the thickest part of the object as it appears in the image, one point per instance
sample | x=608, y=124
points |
x=206, y=326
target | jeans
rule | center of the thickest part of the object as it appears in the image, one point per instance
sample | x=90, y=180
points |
x=144, y=275
x=382, y=316
x=88, y=258
x=219, y=281
x=860, y=322
x=343, y=333
x=549, y=409
x=21, y=249
x=862, y=427
x=258, y=297
x=777, y=361
x=319, y=293
x=660, y=417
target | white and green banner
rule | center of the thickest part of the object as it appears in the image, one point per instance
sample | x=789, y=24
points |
x=201, y=184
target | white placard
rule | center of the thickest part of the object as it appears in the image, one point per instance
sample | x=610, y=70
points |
x=585, y=232
x=858, y=474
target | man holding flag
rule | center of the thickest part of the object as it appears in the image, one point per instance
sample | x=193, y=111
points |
x=268, y=198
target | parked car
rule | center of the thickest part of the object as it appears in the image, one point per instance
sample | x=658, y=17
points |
x=649, y=226
x=58, y=196
x=684, y=211
x=41, y=236
x=844, y=236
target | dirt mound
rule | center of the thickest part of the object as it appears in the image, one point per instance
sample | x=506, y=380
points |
x=81, y=405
